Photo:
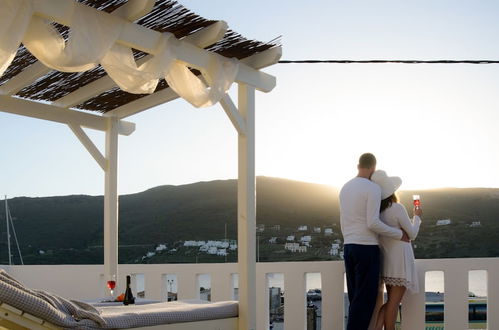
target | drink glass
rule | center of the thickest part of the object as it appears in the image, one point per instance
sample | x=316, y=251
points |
x=416, y=201
x=111, y=284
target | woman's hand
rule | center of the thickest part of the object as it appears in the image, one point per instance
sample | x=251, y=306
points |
x=418, y=211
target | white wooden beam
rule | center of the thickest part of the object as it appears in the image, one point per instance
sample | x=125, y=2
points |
x=201, y=38
x=48, y=112
x=233, y=114
x=144, y=103
x=144, y=39
x=208, y=35
x=84, y=93
x=24, y=78
x=263, y=59
x=131, y=11
x=134, y=9
x=89, y=145
x=200, y=59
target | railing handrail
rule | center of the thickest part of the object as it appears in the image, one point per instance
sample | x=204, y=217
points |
x=86, y=281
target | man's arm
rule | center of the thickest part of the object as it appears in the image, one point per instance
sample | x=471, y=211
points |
x=373, y=221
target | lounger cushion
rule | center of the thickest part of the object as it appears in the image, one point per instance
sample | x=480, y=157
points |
x=79, y=315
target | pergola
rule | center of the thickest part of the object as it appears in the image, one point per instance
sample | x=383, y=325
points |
x=118, y=58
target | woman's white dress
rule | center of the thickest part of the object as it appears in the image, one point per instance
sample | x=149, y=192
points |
x=398, y=258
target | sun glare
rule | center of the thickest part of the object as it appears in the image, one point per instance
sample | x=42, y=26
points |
x=429, y=136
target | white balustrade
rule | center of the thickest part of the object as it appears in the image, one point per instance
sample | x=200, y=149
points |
x=86, y=282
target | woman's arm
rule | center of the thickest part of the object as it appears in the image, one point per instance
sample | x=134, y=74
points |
x=411, y=227
x=373, y=221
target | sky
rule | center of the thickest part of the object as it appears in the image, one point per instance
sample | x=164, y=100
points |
x=432, y=125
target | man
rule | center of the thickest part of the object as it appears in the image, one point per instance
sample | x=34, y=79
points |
x=360, y=200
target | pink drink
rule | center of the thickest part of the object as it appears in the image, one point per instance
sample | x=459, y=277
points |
x=111, y=285
x=416, y=200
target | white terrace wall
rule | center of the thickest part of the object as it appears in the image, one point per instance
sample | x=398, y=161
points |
x=87, y=281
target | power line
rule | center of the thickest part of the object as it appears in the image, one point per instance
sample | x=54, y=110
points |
x=390, y=61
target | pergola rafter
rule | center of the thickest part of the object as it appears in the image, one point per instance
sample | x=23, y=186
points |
x=201, y=38
x=23, y=93
x=146, y=40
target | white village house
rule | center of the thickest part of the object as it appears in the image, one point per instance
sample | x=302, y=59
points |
x=443, y=222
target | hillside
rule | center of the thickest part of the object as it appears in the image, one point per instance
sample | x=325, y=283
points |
x=68, y=229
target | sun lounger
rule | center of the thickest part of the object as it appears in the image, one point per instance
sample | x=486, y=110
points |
x=24, y=308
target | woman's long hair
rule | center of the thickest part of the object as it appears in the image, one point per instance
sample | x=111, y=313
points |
x=387, y=202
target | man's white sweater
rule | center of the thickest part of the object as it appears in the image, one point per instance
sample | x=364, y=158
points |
x=360, y=200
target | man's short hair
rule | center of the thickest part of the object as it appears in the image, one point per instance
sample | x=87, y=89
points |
x=367, y=160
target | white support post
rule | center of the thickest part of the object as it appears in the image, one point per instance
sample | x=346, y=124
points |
x=246, y=210
x=111, y=202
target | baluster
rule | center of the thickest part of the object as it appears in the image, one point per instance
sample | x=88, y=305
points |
x=187, y=286
x=152, y=286
x=262, y=299
x=294, y=300
x=413, y=305
x=456, y=296
x=333, y=296
x=221, y=286
x=493, y=295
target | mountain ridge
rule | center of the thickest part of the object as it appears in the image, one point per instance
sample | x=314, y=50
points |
x=201, y=210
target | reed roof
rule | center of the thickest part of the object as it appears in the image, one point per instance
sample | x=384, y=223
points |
x=166, y=16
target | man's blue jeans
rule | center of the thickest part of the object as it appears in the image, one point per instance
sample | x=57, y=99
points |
x=362, y=266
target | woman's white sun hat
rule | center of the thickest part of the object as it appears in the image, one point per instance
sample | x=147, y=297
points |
x=388, y=184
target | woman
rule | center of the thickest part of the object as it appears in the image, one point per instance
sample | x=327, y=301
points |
x=398, y=270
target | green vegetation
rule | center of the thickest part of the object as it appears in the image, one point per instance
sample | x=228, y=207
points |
x=68, y=229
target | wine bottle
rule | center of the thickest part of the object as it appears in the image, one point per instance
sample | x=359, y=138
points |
x=129, y=298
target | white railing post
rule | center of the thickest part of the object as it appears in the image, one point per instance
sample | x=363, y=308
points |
x=187, y=285
x=413, y=305
x=246, y=210
x=493, y=294
x=153, y=285
x=60, y=279
x=333, y=297
x=295, y=302
x=111, y=202
x=262, y=287
x=221, y=286
x=456, y=296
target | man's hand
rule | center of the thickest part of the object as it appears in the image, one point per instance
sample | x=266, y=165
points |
x=405, y=237
x=418, y=211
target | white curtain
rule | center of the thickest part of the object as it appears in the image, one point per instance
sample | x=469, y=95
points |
x=122, y=68
x=90, y=38
x=220, y=75
x=14, y=20
x=92, y=41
